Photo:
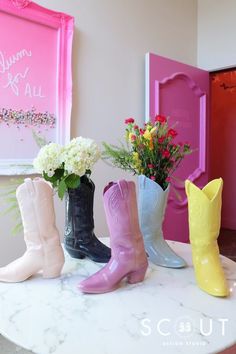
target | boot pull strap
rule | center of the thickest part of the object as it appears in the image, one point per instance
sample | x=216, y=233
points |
x=109, y=185
x=30, y=186
x=124, y=188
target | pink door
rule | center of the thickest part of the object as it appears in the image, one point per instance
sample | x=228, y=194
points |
x=180, y=91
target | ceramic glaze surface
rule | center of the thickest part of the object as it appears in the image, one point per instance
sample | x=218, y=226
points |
x=152, y=202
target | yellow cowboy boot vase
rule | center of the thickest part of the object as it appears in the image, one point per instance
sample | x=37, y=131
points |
x=204, y=214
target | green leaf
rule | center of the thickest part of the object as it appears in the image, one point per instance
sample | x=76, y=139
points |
x=59, y=173
x=10, y=199
x=40, y=141
x=46, y=177
x=62, y=187
x=8, y=194
x=72, y=181
x=17, y=229
x=5, y=193
x=9, y=210
x=55, y=184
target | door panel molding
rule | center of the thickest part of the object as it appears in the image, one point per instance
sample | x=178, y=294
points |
x=193, y=86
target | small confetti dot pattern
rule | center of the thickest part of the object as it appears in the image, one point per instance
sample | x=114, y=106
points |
x=30, y=118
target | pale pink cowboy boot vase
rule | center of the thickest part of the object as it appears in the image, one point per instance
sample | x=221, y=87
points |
x=128, y=257
x=43, y=248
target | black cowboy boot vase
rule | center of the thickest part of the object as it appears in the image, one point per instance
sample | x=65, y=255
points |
x=80, y=240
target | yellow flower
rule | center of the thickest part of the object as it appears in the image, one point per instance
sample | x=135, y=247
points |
x=147, y=135
x=135, y=156
x=136, y=161
x=153, y=130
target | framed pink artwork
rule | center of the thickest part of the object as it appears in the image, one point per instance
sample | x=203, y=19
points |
x=35, y=82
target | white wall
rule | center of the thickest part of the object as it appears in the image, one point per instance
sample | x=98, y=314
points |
x=111, y=39
x=216, y=34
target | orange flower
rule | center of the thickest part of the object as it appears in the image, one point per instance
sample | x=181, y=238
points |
x=151, y=146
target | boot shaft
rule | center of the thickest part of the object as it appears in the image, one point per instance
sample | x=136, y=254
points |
x=35, y=199
x=204, y=208
x=80, y=240
x=152, y=201
x=79, y=209
x=120, y=205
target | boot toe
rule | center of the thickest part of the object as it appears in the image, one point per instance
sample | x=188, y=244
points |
x=210, y=273
x=215, y=286
x=218, y=290
x=92, y=286
x=164, y=256
x=10, y=276
x=98, y=283
x=10, y=273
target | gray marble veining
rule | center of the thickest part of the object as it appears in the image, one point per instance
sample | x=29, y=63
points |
x=167, y=313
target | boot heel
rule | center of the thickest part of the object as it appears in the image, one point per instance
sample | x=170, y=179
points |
x=137, y=276
x=52, y=272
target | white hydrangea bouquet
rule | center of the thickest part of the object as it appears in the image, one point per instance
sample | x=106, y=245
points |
x=64, y=165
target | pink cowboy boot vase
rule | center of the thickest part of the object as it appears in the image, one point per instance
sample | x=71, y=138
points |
x=43, y=247
x=128, y=258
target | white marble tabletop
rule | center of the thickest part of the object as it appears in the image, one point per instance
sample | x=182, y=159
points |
x=167, y=313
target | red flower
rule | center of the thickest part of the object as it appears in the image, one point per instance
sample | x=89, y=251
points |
x=133, y=137
x=151, y=166
x=172, y=133
x=141, y=131
x=136, y=127
x=166, y=154
x=129, y=121
x=153, y=178
x=161, y=119
x=161, y=139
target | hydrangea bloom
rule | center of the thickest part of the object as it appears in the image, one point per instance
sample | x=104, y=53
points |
x=48, y=159
x=63, y=166
x=80, y=155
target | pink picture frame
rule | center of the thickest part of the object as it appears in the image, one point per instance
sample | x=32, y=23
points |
x=35, y=82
